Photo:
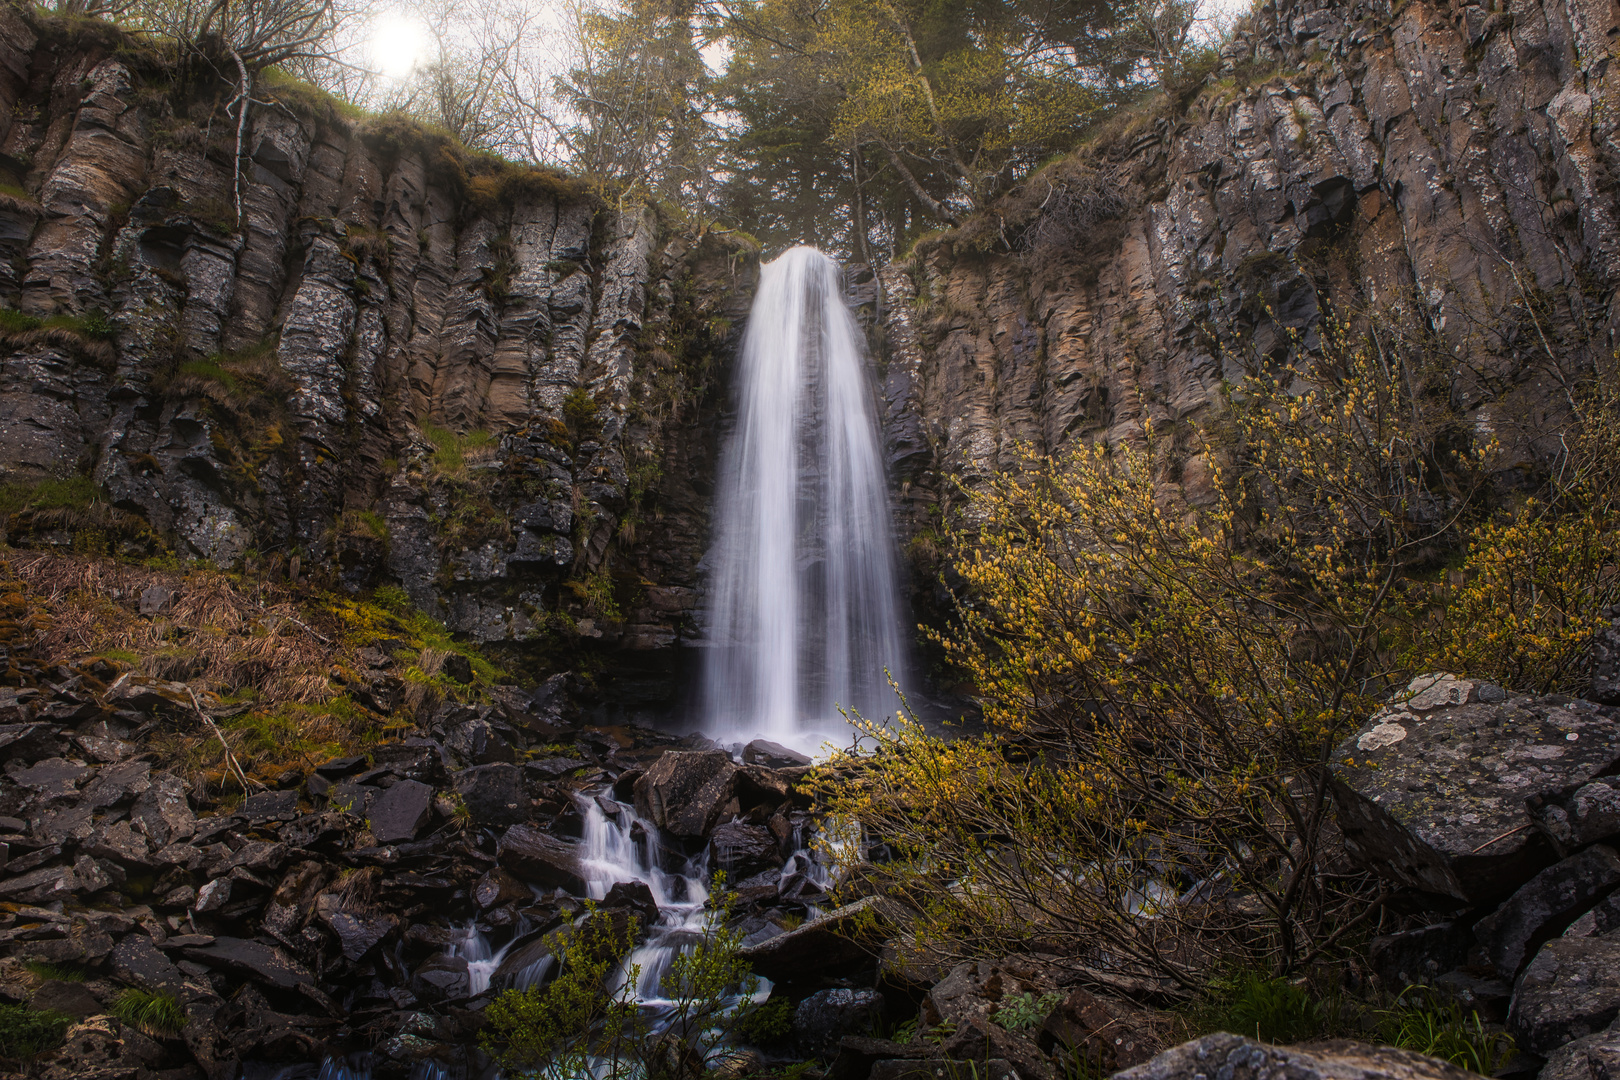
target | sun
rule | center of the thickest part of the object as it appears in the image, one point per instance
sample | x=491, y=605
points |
x=398, y=44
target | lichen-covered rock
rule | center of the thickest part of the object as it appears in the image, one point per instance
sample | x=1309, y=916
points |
x=1585, y=815
x=1431, y=790
x=823, y=1019
x=1570, y=990
x=1594, y=1057
x=1545, y=905
x=1237, y=1057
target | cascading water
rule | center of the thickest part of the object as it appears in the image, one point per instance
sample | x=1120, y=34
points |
x=804, y=613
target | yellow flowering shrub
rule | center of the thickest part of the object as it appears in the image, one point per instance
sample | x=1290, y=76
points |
x=1163, y=683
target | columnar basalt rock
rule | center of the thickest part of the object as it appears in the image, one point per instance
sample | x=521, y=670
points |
x=1448, y=160
x=273, y=383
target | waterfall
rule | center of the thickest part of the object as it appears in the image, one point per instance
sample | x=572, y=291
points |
x=803, y=614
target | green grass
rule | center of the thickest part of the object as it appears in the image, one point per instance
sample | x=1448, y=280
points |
x=450, y=447
x=60, y=972
x=16, y=191
x=26, y=1033
x=1264, y=1008
x=93, y=325
x=62, y=493
x=1423, y=1021
x=154, y=1012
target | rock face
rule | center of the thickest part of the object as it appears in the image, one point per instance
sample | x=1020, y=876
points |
x=1431, y=791
x=1569, y=991
x=411, y=372
x=1234, y=1057
x=1342, y=158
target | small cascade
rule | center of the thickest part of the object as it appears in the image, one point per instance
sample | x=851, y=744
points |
x=481, y=959
x=613, y=853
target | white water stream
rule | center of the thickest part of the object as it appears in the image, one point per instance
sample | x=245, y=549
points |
x=803, y=614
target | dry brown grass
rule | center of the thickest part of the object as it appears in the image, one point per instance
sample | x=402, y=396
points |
x=221, y=635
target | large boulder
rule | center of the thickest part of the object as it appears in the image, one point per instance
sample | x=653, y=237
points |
x=1545, y=905
x=494, y=794
x=823, y=1019
x=1594, y=1057
x=1570, y=990
x=1581, y=816
x=532, y=855
x=772, y=755
x=401, y=811
x=743, y=850
x=1236, y=1057
x=685, y=792
x=1431, y=790
x=828, y=945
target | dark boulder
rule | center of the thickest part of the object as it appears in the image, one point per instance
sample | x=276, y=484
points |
x=441, y=978
x=399, y=813
x=772, y=755
x=1418, y=957
x=269, y=806
x=1105, y=1031
x=1235, y=1057
x=539, y=857
x=743, y=850
x=1545, y=905
x=70, y=998
x=497, y=887
x=259, y=961
x=1570, y=990
x=527, y=962
x=634, y=897
x=684, y=792
x=823, y=946
x=823, y=1019
x=1431, y=791
x=494, y=794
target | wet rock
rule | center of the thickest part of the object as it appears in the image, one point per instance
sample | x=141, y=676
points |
x=1431, y=791
x=494, y=794
x=357, y=933
x=635, y=897
x=1545, y=905
x=743, y=850
x=539, y=857
x=1593, y=1057
x=441, y=978
x=266, y=963
x=1586, y=815
x=527, y=962
x=822, y=946
x=1234, y=1057
x=823, y=1019
x=685, y=791
x=800, y=882
x=772, y=755
x=497, y=887
x=1570, y=990
x=400, y=812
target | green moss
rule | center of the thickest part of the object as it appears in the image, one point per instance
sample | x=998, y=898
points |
x=450, y=448
x=64, y=493
x=306, y=99
x=93, y=325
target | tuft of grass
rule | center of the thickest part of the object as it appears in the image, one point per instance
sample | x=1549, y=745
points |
x=1267, y=1009
x=453, y=449
x=210, y=369
x=93, y=325
x=154, y=1012
x=60, y=972
x=1423, y=1021
x=26, y=1033
x=364, y=523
